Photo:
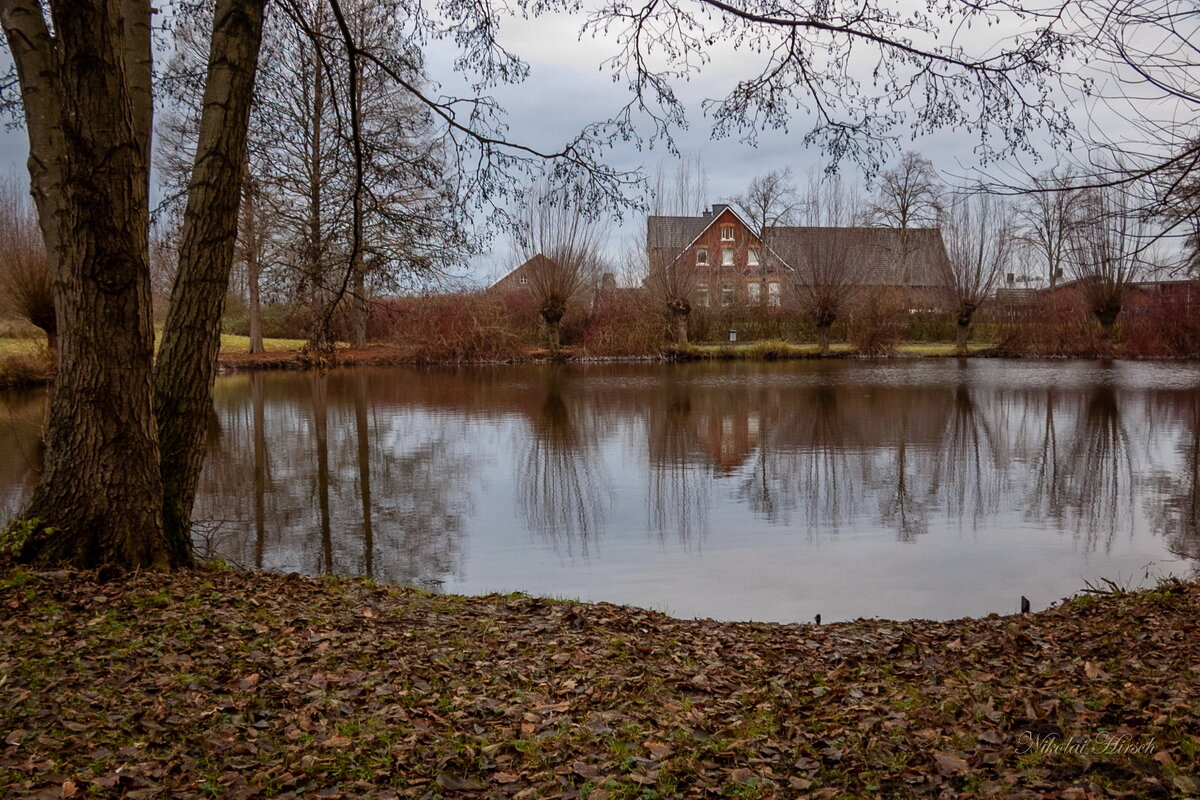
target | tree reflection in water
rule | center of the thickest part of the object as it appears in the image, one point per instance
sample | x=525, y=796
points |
x=378, y=471
x=678, y=488
x=562, y=485
x=1098, y=472
x=306, y=477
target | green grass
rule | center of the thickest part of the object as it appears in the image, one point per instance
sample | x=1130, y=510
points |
x=241, y=344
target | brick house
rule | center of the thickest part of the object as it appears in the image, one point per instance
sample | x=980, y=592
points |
x=735, y=266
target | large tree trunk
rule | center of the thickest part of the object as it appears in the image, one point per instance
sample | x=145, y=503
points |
x=192, y=334
x=87, y=107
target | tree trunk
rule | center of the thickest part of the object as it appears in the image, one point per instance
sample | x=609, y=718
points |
x=962, y=332
x=251, y=240
x=98, y=500
x=553, y=336
x=823, y=339
x=358, y=308
x=192, y=334
x=681, y=329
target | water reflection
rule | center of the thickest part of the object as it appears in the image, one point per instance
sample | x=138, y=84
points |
x=766, y=491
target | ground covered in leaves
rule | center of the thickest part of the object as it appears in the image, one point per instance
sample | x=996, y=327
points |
x=228, y=684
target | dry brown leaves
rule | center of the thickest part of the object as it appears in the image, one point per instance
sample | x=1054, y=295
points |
x=242, y=685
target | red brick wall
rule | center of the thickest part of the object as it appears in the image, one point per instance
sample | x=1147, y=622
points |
x=741, y=273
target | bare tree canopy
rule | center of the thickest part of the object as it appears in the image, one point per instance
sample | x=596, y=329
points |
x=978, y=233
x=1107, y=251
x=560, y=245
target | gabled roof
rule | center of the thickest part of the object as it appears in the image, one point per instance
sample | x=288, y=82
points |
x=871, y=256
x=678, y=234
x=530, y=262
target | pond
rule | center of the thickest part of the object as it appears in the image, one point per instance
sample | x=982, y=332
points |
x=768, y=491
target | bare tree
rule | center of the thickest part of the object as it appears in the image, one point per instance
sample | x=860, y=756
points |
x=670, y=279
x=119, y=456
x=26, y=286
x=1107, y=252
x=560, y=245
x=1046, y=216
x=825, y=282
x=977, y=230
x=770, y=202
x=908, y=196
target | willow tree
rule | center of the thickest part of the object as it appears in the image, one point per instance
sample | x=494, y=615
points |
x=84, y=71
x=560, y=244
x=978, y=233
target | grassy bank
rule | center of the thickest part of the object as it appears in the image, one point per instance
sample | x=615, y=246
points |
x=223, y=684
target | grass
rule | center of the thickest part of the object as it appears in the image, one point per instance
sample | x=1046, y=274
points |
x=232, y=343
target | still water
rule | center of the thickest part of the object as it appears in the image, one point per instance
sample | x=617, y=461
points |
x=896, y=489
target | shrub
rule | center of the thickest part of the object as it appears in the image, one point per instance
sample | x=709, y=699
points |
x=624, y=323
x=459, y=327
x=875, y=328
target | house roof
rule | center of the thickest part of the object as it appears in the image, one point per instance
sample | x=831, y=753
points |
x=871, y=256
x=531, y=262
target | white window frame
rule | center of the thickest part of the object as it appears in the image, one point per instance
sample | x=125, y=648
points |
x=726, y=233
x=524, y=280
x=773, y=293
x=727, y=294
x=754, y=291
x=702, y=257
x=752, y=257
x=702, y=295
x=726, y=256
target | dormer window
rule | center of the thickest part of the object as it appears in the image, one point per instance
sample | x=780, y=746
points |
x=752, y=257
x=702, y=257
x=727, y=257
x=726, y=233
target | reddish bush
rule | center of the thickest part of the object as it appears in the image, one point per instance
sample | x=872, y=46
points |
x=1164, y=325
x=459, y=327
x=624, y=323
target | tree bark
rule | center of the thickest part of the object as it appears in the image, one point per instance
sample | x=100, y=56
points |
x=97, y=502
x=962, y=332
x=192, y=334
x=251, y=241
x=681, y=329
x=823, y=339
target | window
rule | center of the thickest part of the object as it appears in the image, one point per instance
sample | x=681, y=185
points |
x=754, y=291
x=524, y=280
x=726, y=294
x=752, y=257
x=726, y=233
x=702, y=257
x=727, y=257
x=702, y=294
x=773, y=293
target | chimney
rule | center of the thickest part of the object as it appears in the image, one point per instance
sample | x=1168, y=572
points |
x=718, y=208
x=608, y=282
x=1012, y=278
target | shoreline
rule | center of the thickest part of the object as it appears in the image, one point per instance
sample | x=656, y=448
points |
x=249, y=684
x=32, y=375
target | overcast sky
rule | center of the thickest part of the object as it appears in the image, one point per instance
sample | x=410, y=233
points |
x=568, y=88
